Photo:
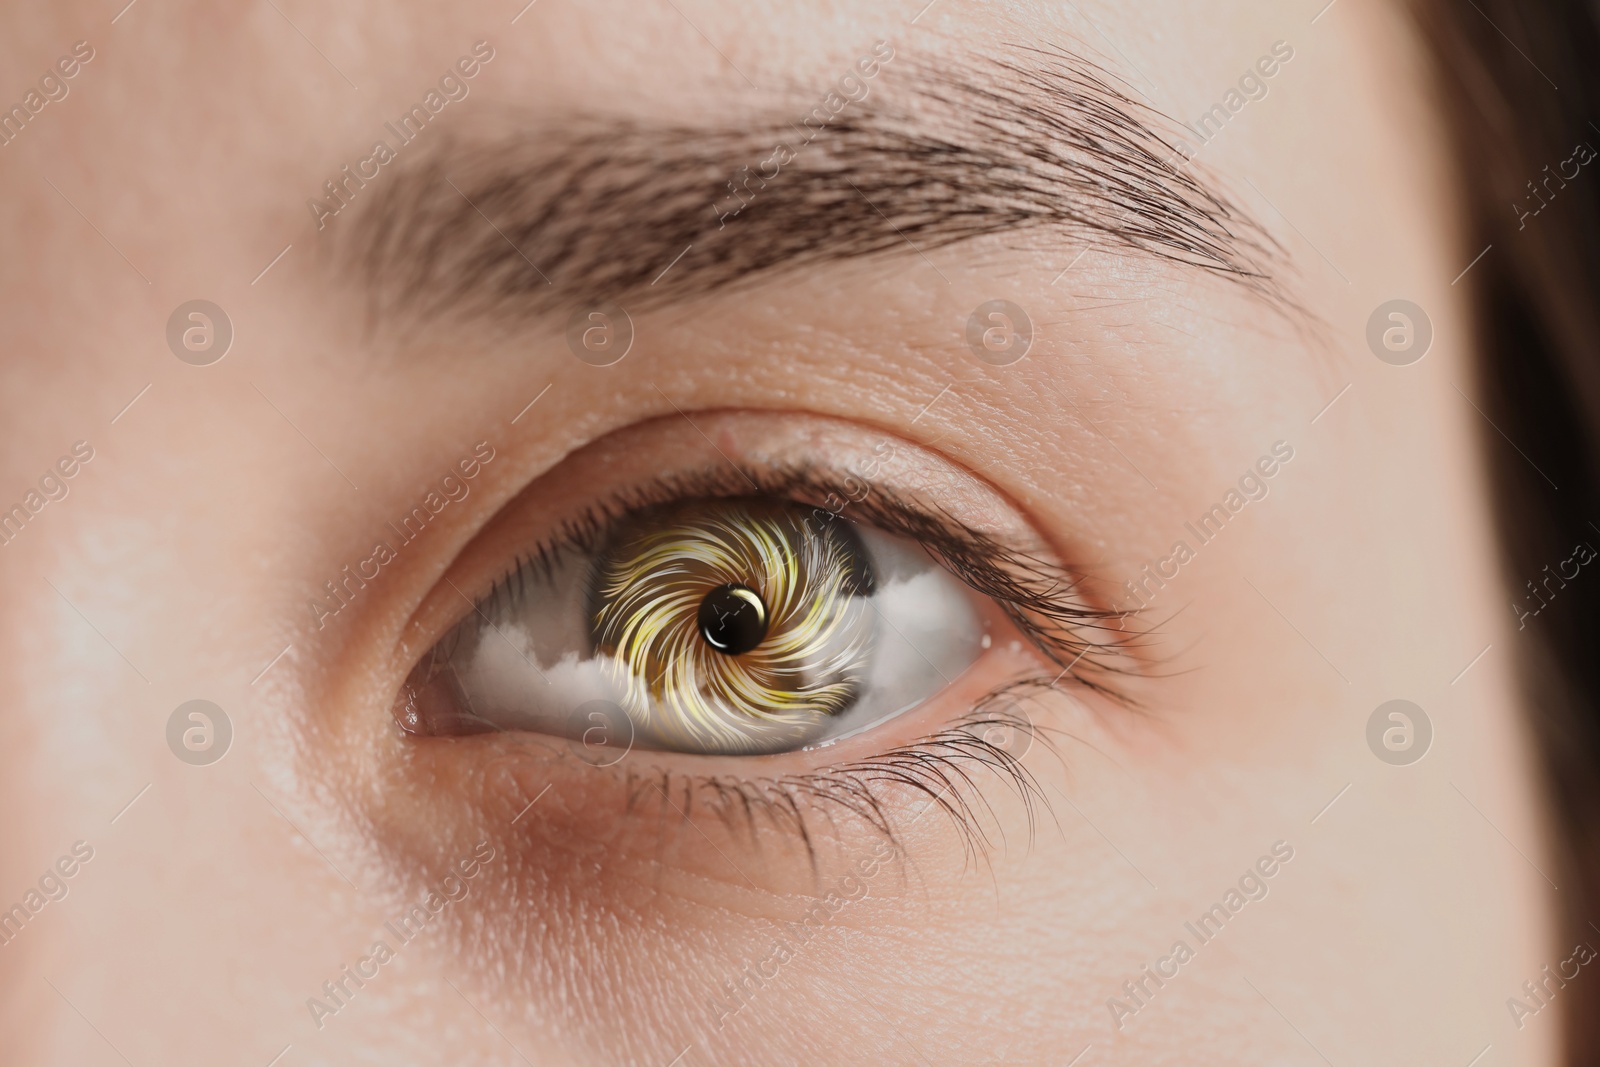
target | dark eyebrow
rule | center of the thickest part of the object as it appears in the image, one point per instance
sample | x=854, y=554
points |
x=552, y=219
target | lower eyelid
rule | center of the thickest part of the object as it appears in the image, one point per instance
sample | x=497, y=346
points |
x=553, y=794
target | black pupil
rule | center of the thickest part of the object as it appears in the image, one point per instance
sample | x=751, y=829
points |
x=733, y=619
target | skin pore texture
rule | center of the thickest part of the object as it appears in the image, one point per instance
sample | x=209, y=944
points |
x=642, y=912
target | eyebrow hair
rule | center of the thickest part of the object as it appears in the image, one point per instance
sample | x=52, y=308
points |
x=626, y=211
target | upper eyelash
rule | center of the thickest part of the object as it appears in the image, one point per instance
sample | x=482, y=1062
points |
x=1040, y=597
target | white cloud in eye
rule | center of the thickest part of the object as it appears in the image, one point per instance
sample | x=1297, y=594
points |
x=509, y=686
x=926, y=633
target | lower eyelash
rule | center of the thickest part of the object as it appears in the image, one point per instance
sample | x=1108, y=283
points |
x=943, y=766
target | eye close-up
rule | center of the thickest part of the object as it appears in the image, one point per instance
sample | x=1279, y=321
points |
x=808, y=593
x=666, y=533
x=717, y=626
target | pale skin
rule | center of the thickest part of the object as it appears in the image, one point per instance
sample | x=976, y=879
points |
x=182, y=560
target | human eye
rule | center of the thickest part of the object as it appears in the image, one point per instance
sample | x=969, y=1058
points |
x=797, y=594
x=735, y=625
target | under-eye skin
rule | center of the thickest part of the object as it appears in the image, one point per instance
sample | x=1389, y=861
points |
x=726, y=612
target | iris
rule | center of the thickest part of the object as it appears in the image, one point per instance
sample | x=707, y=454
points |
x=728, y=621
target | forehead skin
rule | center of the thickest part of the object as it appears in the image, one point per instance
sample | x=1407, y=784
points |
x=178, y=567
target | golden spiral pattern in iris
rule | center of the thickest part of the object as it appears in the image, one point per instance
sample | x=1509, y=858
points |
x=684, y=692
